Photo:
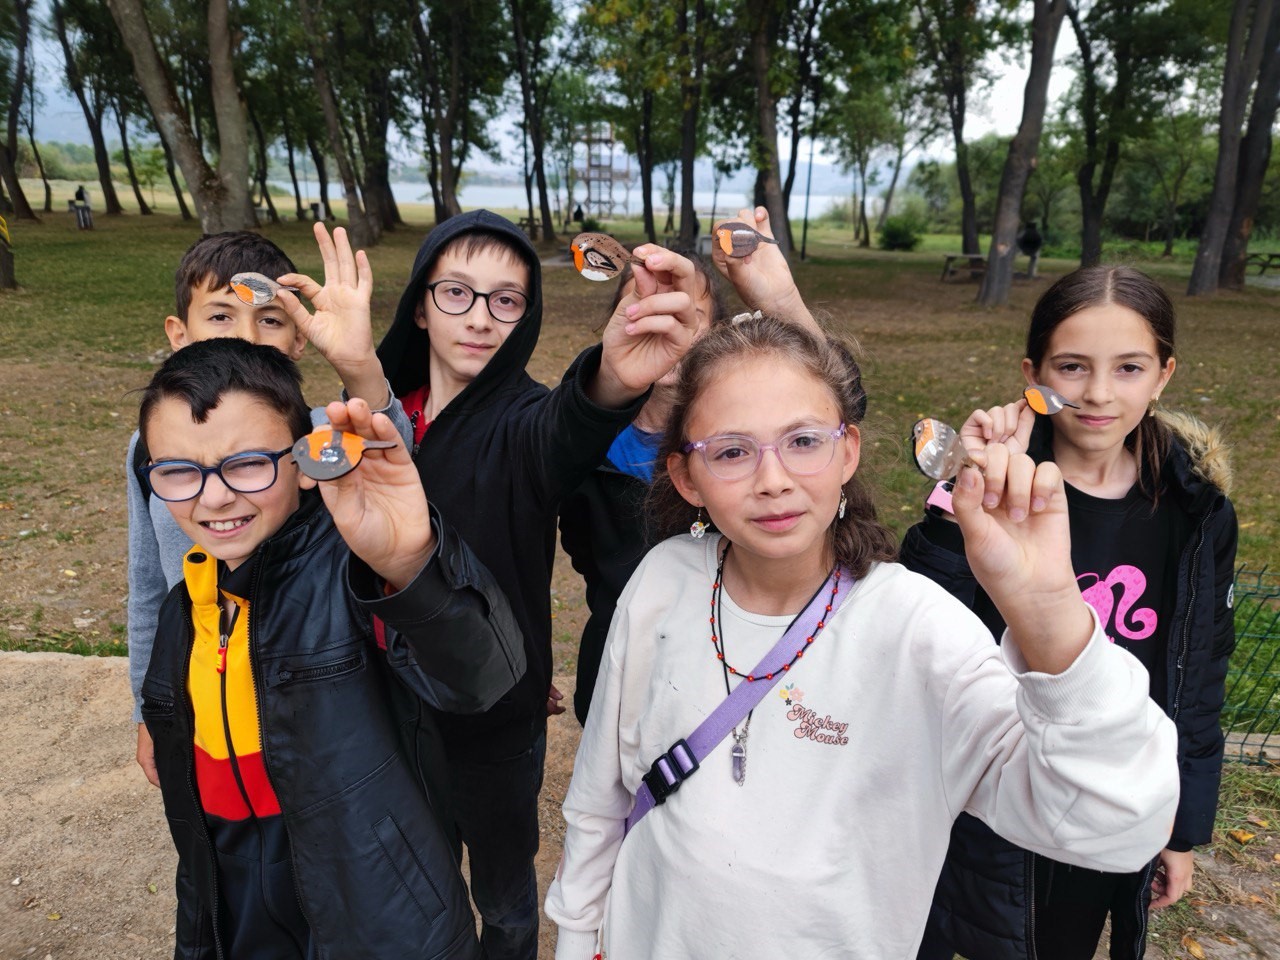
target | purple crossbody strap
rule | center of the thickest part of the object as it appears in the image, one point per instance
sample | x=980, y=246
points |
x=683, y=758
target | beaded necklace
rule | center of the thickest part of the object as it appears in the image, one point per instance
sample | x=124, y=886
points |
x=738, y=754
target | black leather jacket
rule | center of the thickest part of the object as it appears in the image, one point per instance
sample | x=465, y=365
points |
x=982, y=907
x=344, y=729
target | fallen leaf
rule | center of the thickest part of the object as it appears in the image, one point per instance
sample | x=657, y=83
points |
x=151, y=888
x=1192, y=947
x=1241, y=836
x=30, y=902
x=1276, y=857
x=1223, y=938
x=1258, y=821
x=1254, y=898
x=1197, y=902
x=55, y=915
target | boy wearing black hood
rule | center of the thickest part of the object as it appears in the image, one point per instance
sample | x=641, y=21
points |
x=501, y=452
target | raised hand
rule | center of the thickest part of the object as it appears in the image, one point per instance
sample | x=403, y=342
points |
x=340, y=328
x=1018, y=542
x=1009, y=425
x=651, y=329
x=763, y=279
x=380, y=508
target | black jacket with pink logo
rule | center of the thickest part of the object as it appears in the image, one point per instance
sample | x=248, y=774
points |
x=983, y=903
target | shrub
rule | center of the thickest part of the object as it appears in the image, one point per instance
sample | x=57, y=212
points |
x=590, y=225
x=902, y=232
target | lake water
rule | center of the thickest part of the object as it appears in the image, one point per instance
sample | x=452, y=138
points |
x=512, y=197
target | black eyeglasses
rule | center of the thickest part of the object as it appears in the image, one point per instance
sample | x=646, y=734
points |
x=250, y=472
x=455, y=298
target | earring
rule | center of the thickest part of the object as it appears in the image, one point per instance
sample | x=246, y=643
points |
x=844, y=505
x=698, y=529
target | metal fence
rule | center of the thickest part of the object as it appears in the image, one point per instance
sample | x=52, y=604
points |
x=1251, y=714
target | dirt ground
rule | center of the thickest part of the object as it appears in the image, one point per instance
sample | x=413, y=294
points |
x=86, y=865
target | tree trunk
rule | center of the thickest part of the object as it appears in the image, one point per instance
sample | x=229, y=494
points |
x=691, y=84
x=122, y=122
x=432, y=115
x=322, y=177
x=173, y=179
x=30, y=123
x=261, y=175
x=533, y=111
x=1245, y=47
x=48, y=190
x=1255, y=156
x=645, y=144
x=218, y=210
x=893, y=184
x=293, y=170
x=762, y=43
x=801, y=86
x=93, y=119
x=8, y=162
x=228, y=109
x=362, y=235
x=1046, y=23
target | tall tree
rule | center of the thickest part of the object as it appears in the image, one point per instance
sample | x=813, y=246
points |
x=765, y=18
x=364, y=230
x=221, y=196
x=29, y=121
x=1246, y=44
x=92, y=104
x=1255, y=157
x=534, y=24
x=955, y=36
x=692, y=33
x=1046, y=22
x=13, y=93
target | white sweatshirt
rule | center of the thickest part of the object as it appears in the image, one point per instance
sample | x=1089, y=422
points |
x=902, y=713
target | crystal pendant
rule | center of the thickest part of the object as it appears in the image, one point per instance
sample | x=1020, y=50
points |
x=739, y=755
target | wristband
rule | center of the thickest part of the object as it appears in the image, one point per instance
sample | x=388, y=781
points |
x=939, y=500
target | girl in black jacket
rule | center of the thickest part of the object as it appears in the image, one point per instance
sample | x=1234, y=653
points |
x=1153, y=540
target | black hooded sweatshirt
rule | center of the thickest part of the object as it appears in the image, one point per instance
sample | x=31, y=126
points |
x=497, y=461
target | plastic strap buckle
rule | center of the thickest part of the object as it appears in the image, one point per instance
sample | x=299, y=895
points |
x=670, y=770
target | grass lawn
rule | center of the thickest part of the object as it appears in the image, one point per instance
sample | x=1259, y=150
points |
x=85, y=329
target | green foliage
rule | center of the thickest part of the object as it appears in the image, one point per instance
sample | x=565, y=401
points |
x=902, y=232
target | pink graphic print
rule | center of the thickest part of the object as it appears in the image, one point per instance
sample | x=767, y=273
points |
x=1101, y=595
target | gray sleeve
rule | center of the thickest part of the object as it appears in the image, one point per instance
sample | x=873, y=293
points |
x=147, y=584
x=394, y=411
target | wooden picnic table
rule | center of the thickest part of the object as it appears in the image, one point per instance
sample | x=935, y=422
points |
x=977, y=264
x=1264, y=261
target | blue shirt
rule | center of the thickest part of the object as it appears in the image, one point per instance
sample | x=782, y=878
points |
x=634, y=452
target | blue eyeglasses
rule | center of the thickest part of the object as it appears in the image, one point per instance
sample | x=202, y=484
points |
x=250, y=472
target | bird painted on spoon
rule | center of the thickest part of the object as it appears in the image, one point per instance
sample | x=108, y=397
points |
x=1046, y=400
x=739, y=240
x=256, y=289
x=597, y=256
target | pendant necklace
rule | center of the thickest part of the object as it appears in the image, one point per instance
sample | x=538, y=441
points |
x=738, y=754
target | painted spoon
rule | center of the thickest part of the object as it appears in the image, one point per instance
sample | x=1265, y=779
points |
x=256, y=289
x=597, y=256
x=327, y=454
x=738, y=240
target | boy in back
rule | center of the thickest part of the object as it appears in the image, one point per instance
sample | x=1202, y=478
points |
x=206, y=308
x=285, y=739
x=497, y=451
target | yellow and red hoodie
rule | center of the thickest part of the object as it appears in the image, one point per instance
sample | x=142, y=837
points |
x=262, y=916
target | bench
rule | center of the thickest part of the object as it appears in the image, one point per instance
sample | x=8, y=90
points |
x=977, y=264
x=530, y=227
x=1265, y=261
